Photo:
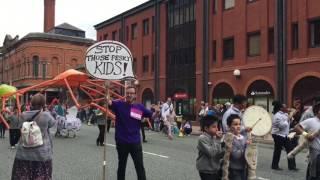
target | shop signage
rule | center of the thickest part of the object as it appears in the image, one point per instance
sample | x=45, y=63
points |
x=260, y=93
x=181, y=96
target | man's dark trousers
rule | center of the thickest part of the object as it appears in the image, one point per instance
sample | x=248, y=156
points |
x=135, y=151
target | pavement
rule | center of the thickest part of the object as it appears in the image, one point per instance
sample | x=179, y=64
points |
x=80, y=159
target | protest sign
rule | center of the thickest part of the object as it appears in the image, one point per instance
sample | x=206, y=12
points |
x=109, y=60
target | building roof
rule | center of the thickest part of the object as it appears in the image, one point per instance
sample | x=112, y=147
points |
x=52, y=38
x=127, y=13
x=68, y=26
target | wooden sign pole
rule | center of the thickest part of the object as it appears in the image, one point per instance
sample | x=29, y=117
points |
x=107, y=97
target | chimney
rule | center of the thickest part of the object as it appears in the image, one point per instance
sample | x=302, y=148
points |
x=49, y=15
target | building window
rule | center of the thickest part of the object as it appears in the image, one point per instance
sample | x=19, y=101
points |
x=134, y=65
x=145, y=64
x=254, y=44
x=35, y=64
x=314, y=33
x=44, y=70
x=101, y=38
x=228, y=48
x=145, y=27
x=214, y=51
x=295, y=36
x=105, y=36
x=114, y=35
x=271, y=41
x=134, y=31
x=228, y=4
x=215, y=6
x=152, y=63
x=153, y=24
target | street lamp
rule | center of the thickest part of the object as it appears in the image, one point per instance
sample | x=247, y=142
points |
x=136, y=83
x=237, y=73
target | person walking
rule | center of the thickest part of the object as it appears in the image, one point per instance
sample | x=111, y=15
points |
x=35, y=162
x=2, y=130
x=127, y=132
x=101, y=121
x=166, y=113
x=280, y=131
x=239, y=104
x=14, y=131
x=308, y=129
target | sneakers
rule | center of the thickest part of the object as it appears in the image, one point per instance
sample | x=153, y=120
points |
x=13, y=147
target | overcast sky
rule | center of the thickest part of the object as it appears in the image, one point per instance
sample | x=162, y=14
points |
x=20, y=17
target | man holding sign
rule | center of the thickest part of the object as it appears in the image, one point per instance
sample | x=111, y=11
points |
x=127, y=132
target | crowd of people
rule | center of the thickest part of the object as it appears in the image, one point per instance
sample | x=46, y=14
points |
x=221, y=146
x=287, y=125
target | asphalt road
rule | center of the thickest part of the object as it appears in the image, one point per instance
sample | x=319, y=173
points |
x=80, y=159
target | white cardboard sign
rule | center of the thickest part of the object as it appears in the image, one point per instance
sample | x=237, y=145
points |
x=109, y=60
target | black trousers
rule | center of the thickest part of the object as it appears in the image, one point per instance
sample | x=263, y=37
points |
x=135, y=151
x=108, y=124
x=279, y=143
x=14, y=136
x=100, y=139
x=205, y=176
x=2, y=130
x=142, y=131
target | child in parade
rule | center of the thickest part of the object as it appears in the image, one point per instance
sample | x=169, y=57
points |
x=211, y=150
x=237, y=163
x=187, y=128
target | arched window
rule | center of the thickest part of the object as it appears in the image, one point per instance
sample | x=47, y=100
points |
x=35, y=65
x=74, y=63
x=54, y=66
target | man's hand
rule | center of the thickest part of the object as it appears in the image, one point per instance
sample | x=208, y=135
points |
x=310, y=137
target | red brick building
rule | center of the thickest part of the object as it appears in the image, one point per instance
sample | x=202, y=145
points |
x=41, y=56
x=212, y=49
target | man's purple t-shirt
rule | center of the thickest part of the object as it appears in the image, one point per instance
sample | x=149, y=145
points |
x=128, y=121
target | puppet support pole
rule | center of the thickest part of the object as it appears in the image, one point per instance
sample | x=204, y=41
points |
x=107, y=84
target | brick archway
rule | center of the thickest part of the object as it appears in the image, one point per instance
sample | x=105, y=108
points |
x=228, y=93
x=147, y=95
x=256, y=78
x=296, y=79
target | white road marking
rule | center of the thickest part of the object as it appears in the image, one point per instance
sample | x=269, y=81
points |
x=261, y=178
x=145, y=152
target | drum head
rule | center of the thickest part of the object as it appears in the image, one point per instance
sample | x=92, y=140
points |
x=259, y=119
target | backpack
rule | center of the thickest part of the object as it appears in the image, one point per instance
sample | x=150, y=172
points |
x=31, y=133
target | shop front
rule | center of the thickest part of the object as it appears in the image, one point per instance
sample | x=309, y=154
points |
x=261, y=93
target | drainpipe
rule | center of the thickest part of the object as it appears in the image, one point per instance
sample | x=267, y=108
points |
x=205, y=56
x=281, y=50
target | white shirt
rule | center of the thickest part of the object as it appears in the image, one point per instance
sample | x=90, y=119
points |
x=165, y=110
x=280, y=124
x=312, y=125
x=231, y=110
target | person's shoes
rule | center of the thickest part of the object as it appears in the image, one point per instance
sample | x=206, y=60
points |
x=97, y=143
x=277, y=169
x=294, y=169
x=13, y=147
x=170, y=137
x=145, y=141
x=101, y=144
